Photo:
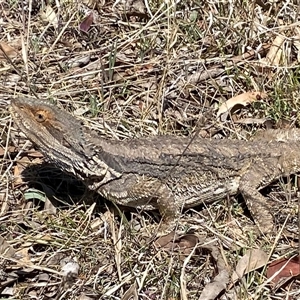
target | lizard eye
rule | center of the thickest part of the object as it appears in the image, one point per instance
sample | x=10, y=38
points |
x=39, y=117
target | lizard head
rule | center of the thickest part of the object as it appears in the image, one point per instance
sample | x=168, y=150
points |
x=56, y=133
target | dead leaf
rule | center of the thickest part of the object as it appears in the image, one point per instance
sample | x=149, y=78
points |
x=131, y=7
x=49, y=15
x=131, y=293
x=220, y=281
x=8, y=291
x=87, y=22
x=70, y=267
x=43, y=238
x=164, y=240
x=18, y=169
x=23, y=257
x=250, y=121
x=242, y=99
x=171, y=242
x=274, y=55
x=188, y=241
x=7, y=50
x=34, y=154
x=6, y=250
x=9, y=149
x=69, y=270
x=49, y=208
x=11, y=278
x=286, y=268
x=252, y=260
x=83, y=296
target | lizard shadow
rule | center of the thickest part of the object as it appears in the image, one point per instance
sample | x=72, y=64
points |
x=63, y=190
x=59, y=187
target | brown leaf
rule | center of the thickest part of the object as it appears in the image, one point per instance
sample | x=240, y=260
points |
x=6, y=250
x=286, y=268
x=87, y=23
x=23, y=257
x=131, y=293
x=10, y=149
x=220, y=281
x=34, y=154
x=275, y=53
x=164, y=240
x=252, y=121
x=49, y=15
x=242, y=99
x=188, y=241
x=49, y=207
x=252, y=260
x=8, y=50
x=184, y=244
x=18, y=169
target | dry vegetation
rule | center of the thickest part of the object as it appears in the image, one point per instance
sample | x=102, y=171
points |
x=133, y=68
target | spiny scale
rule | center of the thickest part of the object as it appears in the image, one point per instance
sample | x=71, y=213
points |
x=160, y=171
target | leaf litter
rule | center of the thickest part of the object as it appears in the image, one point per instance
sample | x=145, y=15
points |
x=137, y=68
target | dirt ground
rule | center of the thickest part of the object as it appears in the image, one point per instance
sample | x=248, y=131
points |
x=219, y=69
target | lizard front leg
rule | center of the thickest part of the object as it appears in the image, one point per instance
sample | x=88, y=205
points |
x=145, y=193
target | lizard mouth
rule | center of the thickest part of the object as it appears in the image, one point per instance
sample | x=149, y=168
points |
x=49, y=129
x=40, y=121
x=46, y=138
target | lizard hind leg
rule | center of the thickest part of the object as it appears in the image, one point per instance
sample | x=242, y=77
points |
x=257, y=176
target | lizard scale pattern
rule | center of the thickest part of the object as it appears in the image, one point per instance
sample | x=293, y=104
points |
x=164, y=172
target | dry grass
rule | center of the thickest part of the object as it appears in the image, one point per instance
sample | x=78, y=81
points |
x=143, y=68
